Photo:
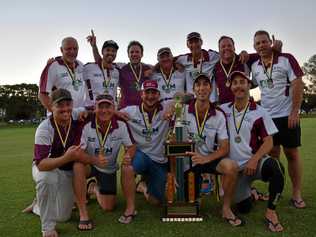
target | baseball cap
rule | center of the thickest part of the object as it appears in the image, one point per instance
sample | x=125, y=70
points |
x=104, y=98
x=240, y=73
x=110, y=43
x=200, y=76
x=150, y=84
x=60, y=95
x=164, y=50
x=194, y=35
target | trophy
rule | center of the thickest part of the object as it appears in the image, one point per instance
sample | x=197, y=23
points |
x=181, y=204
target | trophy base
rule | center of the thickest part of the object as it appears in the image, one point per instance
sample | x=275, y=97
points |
x=182, y=212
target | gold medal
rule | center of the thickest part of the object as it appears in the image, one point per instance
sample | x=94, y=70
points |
x=137, y=77
x=148, y=124
x=75, y=83
x=106, y=81
x=99, y=135
x=268, y=72
x=227, y=74
x=238, y=126
x=200, y=126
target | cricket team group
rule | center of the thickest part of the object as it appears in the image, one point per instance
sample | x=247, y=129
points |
x=98, y=110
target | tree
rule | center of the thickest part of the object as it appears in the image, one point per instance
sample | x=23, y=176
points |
x=309, y=69
x=20, y=102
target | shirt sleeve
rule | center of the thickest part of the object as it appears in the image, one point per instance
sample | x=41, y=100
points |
x=43, y=143
x=294, y=69
x=48, y=78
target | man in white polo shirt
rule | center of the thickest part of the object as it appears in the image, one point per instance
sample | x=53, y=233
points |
x=102, y=77
x=169, y=79
x=206, y=126
x=198, y=61
x=279, y=78
x=251, y=130
x=64, y=72
x=55, y=150
x=149, y=131
x=103, y=137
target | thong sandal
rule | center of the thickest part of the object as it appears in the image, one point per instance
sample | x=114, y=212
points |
x=297, y=203
x=261, y=196
x=274, y=225
x=232, y=221
x=86, y=223
x=126, y=219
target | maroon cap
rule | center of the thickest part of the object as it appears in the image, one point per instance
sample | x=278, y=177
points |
x=236, y=73
x=150, y=84
x=104, y=98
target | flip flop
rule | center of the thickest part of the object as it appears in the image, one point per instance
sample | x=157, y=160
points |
x=297, y=203
x=86, y=223
x=232, y=221
x=261, y=196
x=127, y=219
x=275, y=225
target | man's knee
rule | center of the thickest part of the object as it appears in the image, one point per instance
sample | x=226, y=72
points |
x=228, y=167
x=128, y=170
x=46, y=178
x=291, y=154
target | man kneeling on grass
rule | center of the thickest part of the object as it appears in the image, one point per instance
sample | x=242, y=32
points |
x=251, y=130
x=55, y=151
x=103, y=137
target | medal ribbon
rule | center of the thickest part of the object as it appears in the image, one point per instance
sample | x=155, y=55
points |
x=230, y=69
x=71, y=73
x=137, y=78
x=200, y=126
x=237, y=128
x=63, y=142
x=148, y=125
x=269, y=75
x=99, y=134
x=165, y=78
x=108, y=74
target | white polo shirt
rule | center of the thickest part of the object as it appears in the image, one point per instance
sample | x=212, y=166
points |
x=56, y=75
x=214, y=129
x=118, y=135
x=256, y=125
x=101, y=81
x=278, y=99
x=169, y=88
x=210, y=58
x=155, y=147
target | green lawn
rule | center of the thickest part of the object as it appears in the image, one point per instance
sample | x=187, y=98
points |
x=17, y=190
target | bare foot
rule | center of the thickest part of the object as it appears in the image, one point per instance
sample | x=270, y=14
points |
x=29, y=208
x=273, y=221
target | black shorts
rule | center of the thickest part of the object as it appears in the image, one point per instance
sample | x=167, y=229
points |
x=106, y=182
x=288, y=138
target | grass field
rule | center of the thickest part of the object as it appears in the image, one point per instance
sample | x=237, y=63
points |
x=17, y=190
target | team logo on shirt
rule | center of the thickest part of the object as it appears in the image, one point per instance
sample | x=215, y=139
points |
x=107, y=151
x=63, y=74
x=149, y=132
x=91, y=139
x=137, y=121
x=97, y=75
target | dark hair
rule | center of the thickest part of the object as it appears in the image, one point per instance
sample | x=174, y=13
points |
x=225, y=37
x=133, y=43
x=262, y=32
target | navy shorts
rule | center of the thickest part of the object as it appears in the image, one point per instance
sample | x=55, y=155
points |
x=106, y=182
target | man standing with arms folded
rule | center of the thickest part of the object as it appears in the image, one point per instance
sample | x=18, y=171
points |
x=279, y=78
x=251, y=130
